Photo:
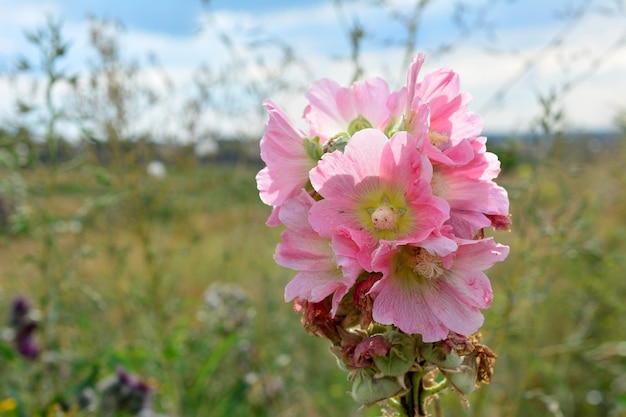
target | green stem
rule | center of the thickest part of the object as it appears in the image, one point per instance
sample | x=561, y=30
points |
x=418, y=387
x=409, y=403
x=413, y=403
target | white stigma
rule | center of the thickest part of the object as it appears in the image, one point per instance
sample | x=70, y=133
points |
x=385, y=218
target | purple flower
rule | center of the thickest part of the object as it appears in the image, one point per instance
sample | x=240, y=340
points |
x=22, y=322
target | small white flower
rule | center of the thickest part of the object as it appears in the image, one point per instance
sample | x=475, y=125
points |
x=156, y=169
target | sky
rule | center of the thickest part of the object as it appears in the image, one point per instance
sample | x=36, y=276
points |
x=508, y=53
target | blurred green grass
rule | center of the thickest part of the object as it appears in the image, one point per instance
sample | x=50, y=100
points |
x=129, y=286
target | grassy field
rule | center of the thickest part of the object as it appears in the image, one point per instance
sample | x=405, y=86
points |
x=173, y=280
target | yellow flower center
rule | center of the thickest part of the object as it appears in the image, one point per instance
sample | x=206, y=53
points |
x=383, y=211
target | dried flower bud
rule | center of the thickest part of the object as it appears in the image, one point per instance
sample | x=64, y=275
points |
x=375, y=345
x=485, y=359
x=317, y=319
x=476, y=369
x=463, y=345
x=363, y=300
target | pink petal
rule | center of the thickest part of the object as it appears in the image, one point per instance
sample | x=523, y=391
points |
x=284, y=151
x=451, y=309
x=404, y=306
x=478, y=255
x=332, y=107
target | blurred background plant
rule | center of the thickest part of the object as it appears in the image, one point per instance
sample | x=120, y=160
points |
x=137, y=274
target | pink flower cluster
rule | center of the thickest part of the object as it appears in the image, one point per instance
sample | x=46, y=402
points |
x=394, y=187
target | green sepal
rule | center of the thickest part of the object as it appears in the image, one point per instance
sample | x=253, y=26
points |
x=357, y=124
x=367, y=389
x=395, y=126
x=337, y=143
x=313, y=148
x=400, y=357
x=434, y=353
x=465, y=380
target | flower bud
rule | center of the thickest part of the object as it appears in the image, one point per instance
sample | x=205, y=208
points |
x=436, y=354
x=465, y=380
x=400, y=357
x=368, y=390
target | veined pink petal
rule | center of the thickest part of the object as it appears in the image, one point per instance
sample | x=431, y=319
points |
x=366, y=98
x=465, y=193
x=323, y=114
x=303, y=252
x=397, y=103
x=347, y=251
x=315, y=257
x=404, y=305
x=338, y=171
x=448, y=106
x=274, y=219
x=333, y=107
x=402, y=162
x=412, y=84
x=454, y=312
x=470, y=287
x=283, y=149
x=470, y=191
x=468, y=188
x=439, y=88
x=312, y=286
x=458, y=154
x=479, y=255
x=467, y=223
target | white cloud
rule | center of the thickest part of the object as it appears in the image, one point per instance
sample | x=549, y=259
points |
x=17, y=16
x=317, y=38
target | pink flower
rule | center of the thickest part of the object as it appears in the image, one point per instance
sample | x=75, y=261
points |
x=334, y=109
x=431, y=288
x=449, y=120
x=471, y=192
x=377, y=189
x=326, y=266
x=394, y=186
x=284, y=151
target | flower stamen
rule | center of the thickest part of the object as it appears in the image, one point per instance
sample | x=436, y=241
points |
x=424, y=263
x=438, y=185
x=437, y=139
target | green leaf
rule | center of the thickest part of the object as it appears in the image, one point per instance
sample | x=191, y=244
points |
x=7, y=352
x=212, y=362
